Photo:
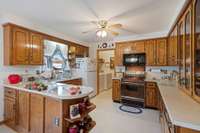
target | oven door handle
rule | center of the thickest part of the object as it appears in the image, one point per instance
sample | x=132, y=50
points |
x=128, y=83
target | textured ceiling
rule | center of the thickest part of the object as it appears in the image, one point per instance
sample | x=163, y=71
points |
x=72, y=17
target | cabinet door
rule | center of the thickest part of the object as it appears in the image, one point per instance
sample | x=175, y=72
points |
x=196, y=50
x=174, y=48
x=53, y=116
x=151, y=95
x=119, y=51
x=170, y=50
x=36, y=49
x=116, y=90
x=161, y=58
x=23, y=112
x=181, y=55
x=150, y=52
x=139, y=47
x=36, y=114
x=188, y=51
x=20, y=46
x=10, y=112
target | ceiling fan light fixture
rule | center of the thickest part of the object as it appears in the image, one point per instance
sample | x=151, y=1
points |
x=101, y=33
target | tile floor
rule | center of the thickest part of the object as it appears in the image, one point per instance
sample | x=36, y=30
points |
x=110, y=119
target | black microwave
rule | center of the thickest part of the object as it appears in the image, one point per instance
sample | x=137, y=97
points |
x=134, y=59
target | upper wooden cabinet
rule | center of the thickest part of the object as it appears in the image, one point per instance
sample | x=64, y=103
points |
x=156, y=52
x=150, y=49
x=36, y=50
x=22, y=46
x=196, y=50
x=138, y=47
x=155, y=49
x=172, y=50
x=161, y=52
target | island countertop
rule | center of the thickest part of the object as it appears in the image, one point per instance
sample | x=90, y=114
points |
x=182, y=109
x=55, y=90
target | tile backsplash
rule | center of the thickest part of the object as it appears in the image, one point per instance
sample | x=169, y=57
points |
x=157, y=72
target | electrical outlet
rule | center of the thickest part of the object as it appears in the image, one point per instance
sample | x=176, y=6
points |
x=56, y=121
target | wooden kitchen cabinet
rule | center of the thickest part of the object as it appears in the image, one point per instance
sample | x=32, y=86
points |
x=151, y=95
x=138, y=47
x=196, y=51
x=150, y=49
x=161, y=52
x=116, y=90
x=73, y=81
x=126, y=48
x=20, y=53
x=53, y=116
x=23, y=112
x=37, y=104
x=10, y=107
x=172, y=50
x=81, y=51
x=185, y=130
x=22, y=46
x=36, y=50
x=156, y=52
x=119, y=51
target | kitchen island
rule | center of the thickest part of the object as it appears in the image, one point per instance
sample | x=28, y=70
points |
x=48, y=111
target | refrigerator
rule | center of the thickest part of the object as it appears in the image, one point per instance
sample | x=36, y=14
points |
x=86, y=69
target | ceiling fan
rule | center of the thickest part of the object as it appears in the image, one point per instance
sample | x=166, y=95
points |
x=103, y=28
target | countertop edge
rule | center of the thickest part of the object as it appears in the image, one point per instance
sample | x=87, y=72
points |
x=47, y=94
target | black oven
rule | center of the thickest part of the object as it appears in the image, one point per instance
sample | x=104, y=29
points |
x=134, y=59
x=133, y=92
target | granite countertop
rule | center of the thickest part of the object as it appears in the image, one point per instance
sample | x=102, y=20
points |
x=55, y=90
x=182, y=109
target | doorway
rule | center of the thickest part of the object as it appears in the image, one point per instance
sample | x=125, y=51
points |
x=105, y=69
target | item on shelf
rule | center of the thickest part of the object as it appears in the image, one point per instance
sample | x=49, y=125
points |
x=82, y=107
x=73, y=129
x=74, y=111
x=14, y=78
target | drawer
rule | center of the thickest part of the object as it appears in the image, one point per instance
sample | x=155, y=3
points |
x=10, y=93
x=151, y=84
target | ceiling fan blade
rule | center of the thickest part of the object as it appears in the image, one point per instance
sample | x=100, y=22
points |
x=94, y=22
x=88, y=31
x=115, y=26
x=113, y=32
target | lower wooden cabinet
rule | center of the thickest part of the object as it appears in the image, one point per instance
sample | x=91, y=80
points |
x=53, y=115
x=10, y=112
x=23, y=112
x=151, y=95
x=116, y=90
x=37, y=113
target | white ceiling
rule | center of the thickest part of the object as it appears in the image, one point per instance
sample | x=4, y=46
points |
x=72, y=17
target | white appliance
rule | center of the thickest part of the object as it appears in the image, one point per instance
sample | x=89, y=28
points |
x=86, y=68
